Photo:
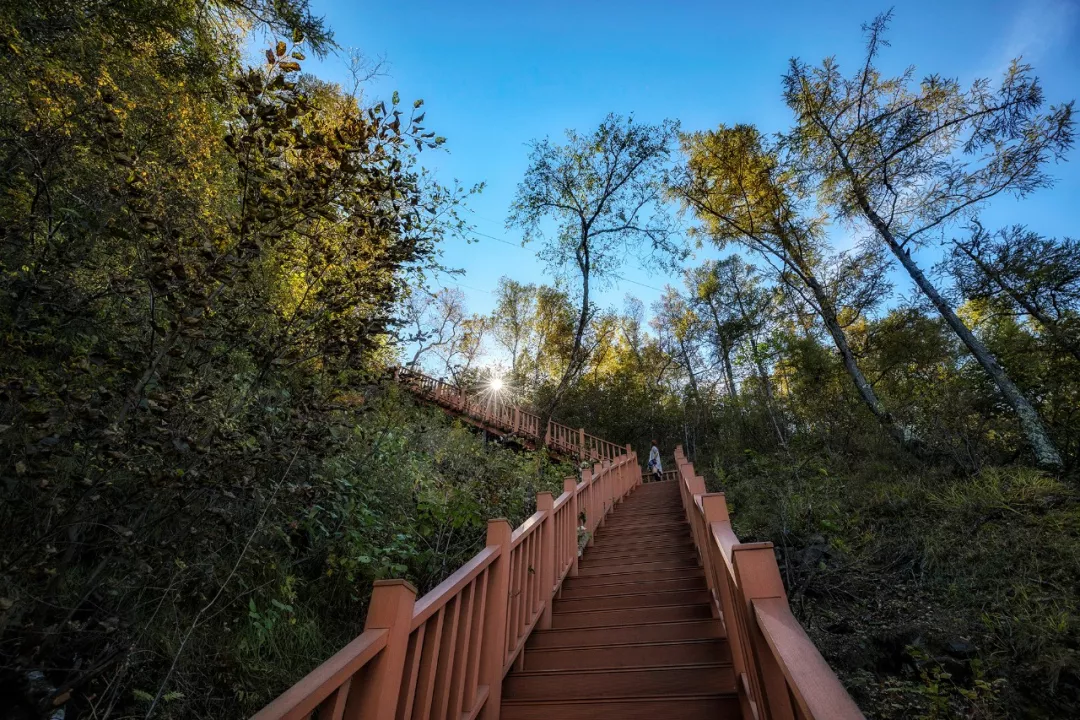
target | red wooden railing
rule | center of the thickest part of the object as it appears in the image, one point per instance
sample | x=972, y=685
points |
x=780, y=674
x=493, y=412
x=444, y=656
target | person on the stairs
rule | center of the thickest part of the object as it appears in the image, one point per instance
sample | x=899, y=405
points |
x=654, y=463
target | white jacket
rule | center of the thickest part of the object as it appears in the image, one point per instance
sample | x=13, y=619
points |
x=654, y=460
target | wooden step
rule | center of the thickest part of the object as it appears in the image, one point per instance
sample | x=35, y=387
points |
x=635, y=573
x=602, y=542
x=644, y=529
x=620, y=517
x=629, y=616
x=573, y=591
x=610, y=537
x=629, y=635
x=629, y=567
x=645, y=507
x=713, y=678
x=621, y=556
x=614, y=550
x=631, y=600
x=683, y=707
x=676, y=652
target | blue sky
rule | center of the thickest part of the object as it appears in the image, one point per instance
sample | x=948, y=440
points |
x=494, y=75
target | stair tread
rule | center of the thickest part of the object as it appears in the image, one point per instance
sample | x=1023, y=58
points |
x=601, y=701
x=617, y=669
x=685, y=621
x=650, y=643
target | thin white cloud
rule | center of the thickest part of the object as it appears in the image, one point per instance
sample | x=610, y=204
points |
x=1038, y=27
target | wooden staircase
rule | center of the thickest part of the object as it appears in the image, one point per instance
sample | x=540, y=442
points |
x=666, y=615
x=632, y=634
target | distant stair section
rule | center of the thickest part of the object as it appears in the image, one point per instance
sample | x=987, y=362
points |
x=492, y=412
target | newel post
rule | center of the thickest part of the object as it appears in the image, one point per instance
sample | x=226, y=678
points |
x=758, y=577
x=581, y=435
x=391, y=609
x=493, y=649
x=545, y=503
x=570, y=486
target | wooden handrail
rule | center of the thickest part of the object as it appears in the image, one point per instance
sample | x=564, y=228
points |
x=780, y=674
x=445, y=655
x=495, y=413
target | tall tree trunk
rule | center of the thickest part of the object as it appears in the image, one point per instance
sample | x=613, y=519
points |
x=1046, y=452
x=1030, y=307
x=575, y=354
x=862, y=385
x=725, y=350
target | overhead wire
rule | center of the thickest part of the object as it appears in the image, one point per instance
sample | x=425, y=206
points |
x=519, y=247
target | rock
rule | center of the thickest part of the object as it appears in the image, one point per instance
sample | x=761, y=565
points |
x=842, y=627
x=960, y=648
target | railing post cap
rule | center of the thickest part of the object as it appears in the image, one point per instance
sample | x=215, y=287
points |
x=393, y=582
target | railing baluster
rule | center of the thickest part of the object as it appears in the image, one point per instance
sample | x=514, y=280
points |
x=412, y=673
x=460, y=663
x=426, y=676
x=476, y=640
x=333, y=707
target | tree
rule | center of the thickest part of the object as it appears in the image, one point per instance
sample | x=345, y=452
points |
x=728, y=291
x=199, y=267
x=1038, y=276
x=434, y=320
x=460, y=354
x=604, y=190
x=743, y=190
x=679, y=329
x=911, y=161
x=512, y=326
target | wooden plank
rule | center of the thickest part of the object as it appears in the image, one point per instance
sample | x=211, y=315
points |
x=813, y=685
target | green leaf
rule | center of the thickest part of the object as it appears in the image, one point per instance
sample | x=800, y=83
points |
x=395, y=98
x=280, y=49
x=417, y=103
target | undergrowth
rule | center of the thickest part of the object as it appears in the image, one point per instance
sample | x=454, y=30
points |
x=933, y=594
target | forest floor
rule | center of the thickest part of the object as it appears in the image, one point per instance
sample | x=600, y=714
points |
x=932, y=595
